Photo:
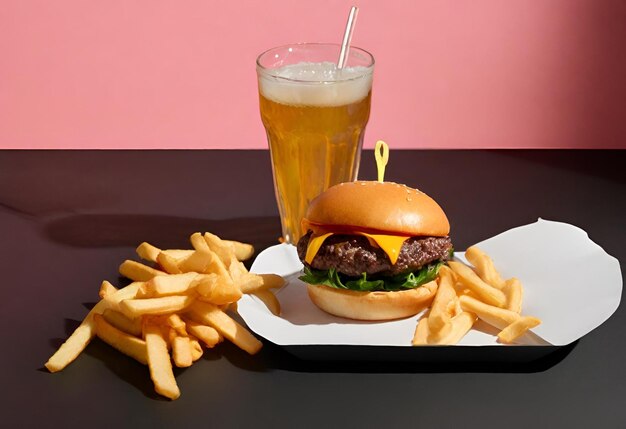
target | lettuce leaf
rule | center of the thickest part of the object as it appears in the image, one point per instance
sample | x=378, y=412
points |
x=364, y=283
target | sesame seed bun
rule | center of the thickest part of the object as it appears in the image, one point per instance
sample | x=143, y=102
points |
x=386, y=207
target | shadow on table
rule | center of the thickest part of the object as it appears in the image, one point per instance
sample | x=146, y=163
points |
x=111, y=230
x=124, y=367
x=273, y=357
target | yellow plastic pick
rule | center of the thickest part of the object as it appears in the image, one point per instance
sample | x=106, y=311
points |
x=382, y=157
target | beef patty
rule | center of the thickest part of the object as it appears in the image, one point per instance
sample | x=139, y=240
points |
x=353, y=255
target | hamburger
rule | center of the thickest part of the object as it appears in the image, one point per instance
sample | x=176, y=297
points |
x=372, y=250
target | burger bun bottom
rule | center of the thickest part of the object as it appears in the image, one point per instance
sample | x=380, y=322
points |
x=372, y=305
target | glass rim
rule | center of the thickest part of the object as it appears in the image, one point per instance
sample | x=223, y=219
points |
x=268, y=71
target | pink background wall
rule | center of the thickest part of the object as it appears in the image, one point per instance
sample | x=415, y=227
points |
x=180, y=74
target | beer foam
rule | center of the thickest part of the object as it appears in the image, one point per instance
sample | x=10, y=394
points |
x=316, y=84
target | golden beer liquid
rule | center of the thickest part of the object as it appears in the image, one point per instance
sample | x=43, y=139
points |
x=312, y=148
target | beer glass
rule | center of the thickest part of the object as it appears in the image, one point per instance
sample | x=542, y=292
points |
x=315, y=116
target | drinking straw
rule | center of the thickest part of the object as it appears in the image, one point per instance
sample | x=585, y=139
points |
x=347, y=38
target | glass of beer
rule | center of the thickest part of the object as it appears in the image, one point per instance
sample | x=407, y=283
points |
x=315, y=116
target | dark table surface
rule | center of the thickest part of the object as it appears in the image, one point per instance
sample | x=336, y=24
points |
x=68, y=218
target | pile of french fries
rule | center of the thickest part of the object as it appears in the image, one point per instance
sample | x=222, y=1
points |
x=175, y=308
x=466, y=294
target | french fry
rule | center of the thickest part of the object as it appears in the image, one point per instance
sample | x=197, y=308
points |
x=484, y=267
x=168, y=263
x=155, y=306
x=420, y=338
x=208, y=335
x=178, y=254
x=148, y=252
x=227, y=307
x=514, y=292
x=209, y=314
x=470, y=279
x=181, y=351
x=518, y=328
x=242, y=251
x=461, y=289
x=196, y=349
x=174, y=284
x=257, y=282
x=106, y=289
x=217, y=266
x=206, y=284
x=123, y=323
x=159, y=362
x=439, y=316
x=177, y=323
x=236, y=269
x=249, y=282
x=460, y=325
x=497, y=317
x=221, y=249
x=138, y=272
x=167, y=332
x=217, y=289
x=199, y=261
x=76, y=342
x=79, y=339
x=270, y=300
x=272, y=281
x=120, y=340
x=455, y=307
x=198, y=242
x=113, y=300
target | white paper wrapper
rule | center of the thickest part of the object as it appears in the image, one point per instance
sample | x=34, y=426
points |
x=570, y=283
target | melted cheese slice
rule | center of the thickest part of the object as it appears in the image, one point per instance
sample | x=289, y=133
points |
x=314, y=246
x=391, y=244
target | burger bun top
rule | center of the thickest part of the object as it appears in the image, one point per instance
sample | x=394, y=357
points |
x=384, y=207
